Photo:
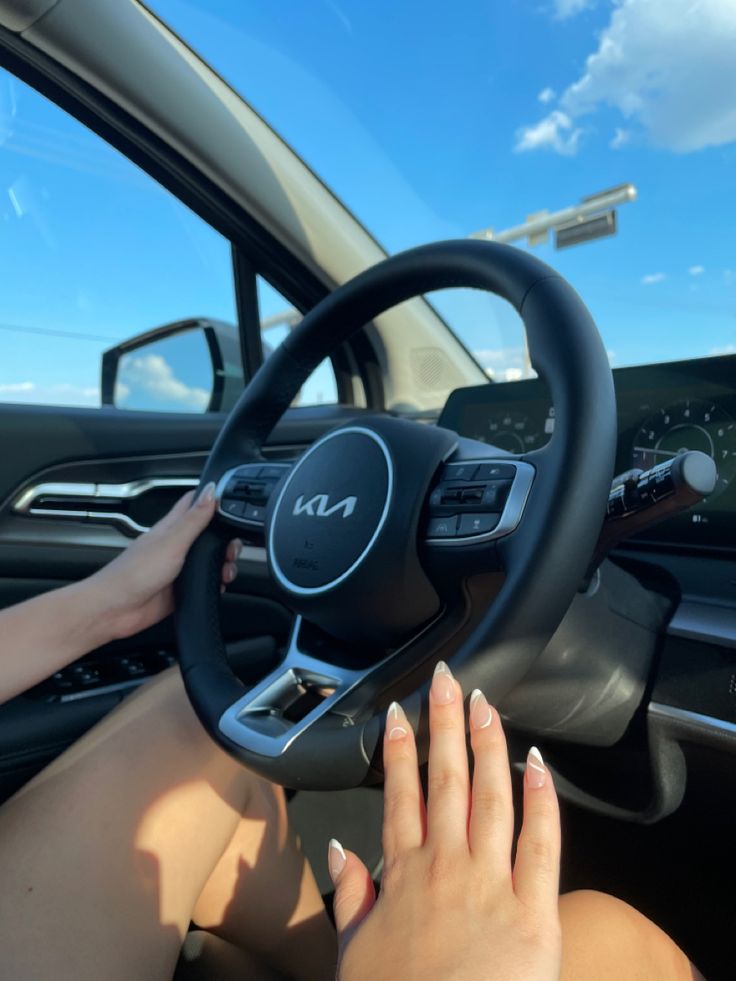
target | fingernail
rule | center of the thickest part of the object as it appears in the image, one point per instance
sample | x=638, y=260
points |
x=336, y=859
x=208, y=494
x=443, y=685
x=396, y=722
x=536, y=772
x=481, y=715
x=230, y=573
x=237, y=546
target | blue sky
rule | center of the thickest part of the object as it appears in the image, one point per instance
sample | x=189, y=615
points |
x=417, y=115
x=430, y=120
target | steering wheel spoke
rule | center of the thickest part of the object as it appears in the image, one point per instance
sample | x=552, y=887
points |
x=278, y=710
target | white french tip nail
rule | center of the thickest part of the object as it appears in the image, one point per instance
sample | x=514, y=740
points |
x=442, y=668
x=393, y=710
x=481, y=714
x=336, y=859
x=536, y=772
x=536, y=757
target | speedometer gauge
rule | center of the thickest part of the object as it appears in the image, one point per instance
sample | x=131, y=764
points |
x=511, y=431
x=696, y=424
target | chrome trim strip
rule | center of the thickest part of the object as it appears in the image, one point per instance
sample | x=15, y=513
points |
x=513, y=508
x=705, y=622
x=281, y=576
x=125, y=492
x=76, y=696
x=26, y=504
x=252, y=553
x=685, y=715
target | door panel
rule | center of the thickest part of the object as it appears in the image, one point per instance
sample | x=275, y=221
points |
x=40, y=445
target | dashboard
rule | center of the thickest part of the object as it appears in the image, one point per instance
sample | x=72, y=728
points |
x=663, y=410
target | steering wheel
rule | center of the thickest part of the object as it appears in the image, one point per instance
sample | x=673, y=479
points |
x=397, y=543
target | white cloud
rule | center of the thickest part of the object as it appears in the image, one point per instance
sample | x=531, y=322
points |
x=554, y=132
x=696, y=270
x=568, y=8
x=651, y=278
x=666, y=65
x=62, y=393
x=724, y=349
x=13, y=388
x=546, y=95
x=152, y=376
x=504, y=364
x=620, y=138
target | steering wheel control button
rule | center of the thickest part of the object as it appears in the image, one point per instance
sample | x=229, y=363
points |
x=442, y=527
x=330, y=510
x=495, y=494
x=496, y=471
x=273, y=472
x=488, y=506
x=232, y=507
x=247, y=491
x=477, y=524
x=460, y=471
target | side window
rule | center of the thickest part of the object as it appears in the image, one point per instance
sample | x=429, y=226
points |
x=93, y=253
x=278, y=317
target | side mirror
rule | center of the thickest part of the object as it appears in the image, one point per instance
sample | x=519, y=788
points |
x=188, y=366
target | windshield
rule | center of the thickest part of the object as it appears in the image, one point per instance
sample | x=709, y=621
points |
x=433, y=120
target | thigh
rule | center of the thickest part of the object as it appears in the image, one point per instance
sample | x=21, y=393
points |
x=604, y=939
x=104, y=853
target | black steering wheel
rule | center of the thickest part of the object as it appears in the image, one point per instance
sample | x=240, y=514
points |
x=398, y=543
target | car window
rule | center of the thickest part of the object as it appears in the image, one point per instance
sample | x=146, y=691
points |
x=601, y=136
x=93, y=253
x=278, y=318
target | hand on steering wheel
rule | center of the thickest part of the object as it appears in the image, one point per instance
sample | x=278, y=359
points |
x=451, y=906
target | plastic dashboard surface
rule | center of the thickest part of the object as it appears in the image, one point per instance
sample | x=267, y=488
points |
x=663, y=409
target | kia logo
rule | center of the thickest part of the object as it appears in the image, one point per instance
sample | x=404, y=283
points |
x=316, y=507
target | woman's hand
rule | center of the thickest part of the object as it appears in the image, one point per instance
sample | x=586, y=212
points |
x=451, y=905
x=137, y=586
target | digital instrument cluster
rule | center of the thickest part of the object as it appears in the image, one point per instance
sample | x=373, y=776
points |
x=663, y=410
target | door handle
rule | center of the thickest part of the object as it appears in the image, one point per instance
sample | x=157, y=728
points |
x=81, y=501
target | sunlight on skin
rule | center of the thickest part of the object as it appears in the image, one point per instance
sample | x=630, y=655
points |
x=174, y=817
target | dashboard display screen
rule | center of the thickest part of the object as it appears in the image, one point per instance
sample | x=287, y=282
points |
x=663, y=410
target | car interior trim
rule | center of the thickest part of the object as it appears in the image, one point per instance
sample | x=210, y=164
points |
x=27, y=500
x=705, y=622
x=30, y=501
x=685, y=715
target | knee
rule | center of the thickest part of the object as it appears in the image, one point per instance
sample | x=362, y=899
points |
x=595, y=918
x=598, y=929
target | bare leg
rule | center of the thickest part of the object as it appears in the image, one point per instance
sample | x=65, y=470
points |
x=104, y=855
x=604, y=939
x=262, y=895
